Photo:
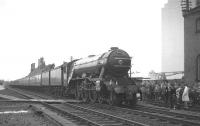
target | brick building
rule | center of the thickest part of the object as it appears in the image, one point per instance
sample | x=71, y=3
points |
x=192, y=43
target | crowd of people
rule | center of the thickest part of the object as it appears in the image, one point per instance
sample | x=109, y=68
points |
x=173, y=93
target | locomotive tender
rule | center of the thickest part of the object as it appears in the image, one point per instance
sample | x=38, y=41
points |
x=102, y=78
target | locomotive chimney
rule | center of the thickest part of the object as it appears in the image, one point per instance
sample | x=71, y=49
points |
x=114, y=48
x=91, y=55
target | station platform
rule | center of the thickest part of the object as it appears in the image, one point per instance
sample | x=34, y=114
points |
x=180, y=111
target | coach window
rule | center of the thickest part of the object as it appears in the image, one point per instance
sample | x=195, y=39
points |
x=198, y=68
x=198, y=25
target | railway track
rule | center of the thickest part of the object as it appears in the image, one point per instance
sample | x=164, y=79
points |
x=152, y=116
x=26, y=94
x=14, y=93
x=101, y=114
x=171, y=115
x=168, y=112
x=91, y=116
x=83, y=116
x=195, y=108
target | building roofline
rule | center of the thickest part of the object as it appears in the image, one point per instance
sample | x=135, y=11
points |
x=192, y=11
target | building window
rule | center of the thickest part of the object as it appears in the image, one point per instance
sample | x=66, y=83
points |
x=198, y=68
x=198, y=25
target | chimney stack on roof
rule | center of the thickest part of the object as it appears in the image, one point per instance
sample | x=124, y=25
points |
x=41, y=63
x=32, y=67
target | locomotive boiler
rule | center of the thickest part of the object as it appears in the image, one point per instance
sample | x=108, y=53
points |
x=104, y=78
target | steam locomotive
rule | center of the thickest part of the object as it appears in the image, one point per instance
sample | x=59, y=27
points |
x=100, y=78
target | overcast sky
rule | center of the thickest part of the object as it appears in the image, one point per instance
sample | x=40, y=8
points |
x=58, y=29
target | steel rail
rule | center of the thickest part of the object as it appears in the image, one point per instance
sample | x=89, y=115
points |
x=71, y=114
x=24, y=93
x=50, y=106
x=161, y=104
x=157, y=115
x=20, y=93
x=169, y=112
x=124, y=120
